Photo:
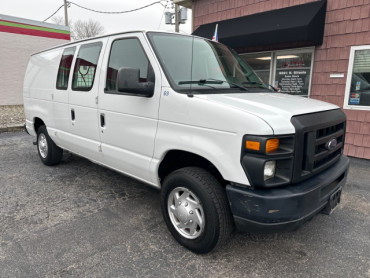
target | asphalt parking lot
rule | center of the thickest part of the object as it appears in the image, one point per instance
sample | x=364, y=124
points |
x=82, y=220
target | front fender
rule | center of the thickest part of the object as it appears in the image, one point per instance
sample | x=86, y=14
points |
x=221, y=148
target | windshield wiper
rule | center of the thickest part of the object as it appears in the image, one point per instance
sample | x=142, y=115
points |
x=253, y=82
x=275, y=89
x=211, y=81
x=261, y=84
x=201, y=82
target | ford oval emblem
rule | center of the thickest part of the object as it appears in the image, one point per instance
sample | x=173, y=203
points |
x=331, y=144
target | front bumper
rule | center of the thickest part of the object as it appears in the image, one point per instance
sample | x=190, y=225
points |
x=286, y=208
x=29, y=128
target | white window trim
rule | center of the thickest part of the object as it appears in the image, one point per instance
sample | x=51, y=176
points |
x=349, y=79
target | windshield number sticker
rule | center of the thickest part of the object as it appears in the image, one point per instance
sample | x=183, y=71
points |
x=166, y=93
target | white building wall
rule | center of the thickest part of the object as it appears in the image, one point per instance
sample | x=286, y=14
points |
x=15, y=51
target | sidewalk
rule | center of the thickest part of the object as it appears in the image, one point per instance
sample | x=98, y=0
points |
x=11, y=118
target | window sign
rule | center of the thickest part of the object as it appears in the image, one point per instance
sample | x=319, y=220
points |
x=358, y=79
x=293, y=73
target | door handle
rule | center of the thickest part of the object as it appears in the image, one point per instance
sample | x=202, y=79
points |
x=102, y=120
x=73, y=114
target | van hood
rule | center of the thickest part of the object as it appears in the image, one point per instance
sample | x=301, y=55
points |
x=274, y=108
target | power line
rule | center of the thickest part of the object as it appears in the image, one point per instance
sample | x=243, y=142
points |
x=104, y=12
x=54, y=12
x=121, y=12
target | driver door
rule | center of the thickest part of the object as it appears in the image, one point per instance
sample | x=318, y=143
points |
x=128, y=123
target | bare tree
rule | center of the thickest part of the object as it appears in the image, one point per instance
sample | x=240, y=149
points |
x=81, y=29
x=86, y=29
x=58, y=19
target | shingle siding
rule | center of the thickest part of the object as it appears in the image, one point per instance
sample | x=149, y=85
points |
x=347, y=24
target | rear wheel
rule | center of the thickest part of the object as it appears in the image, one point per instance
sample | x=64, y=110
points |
x=195, y=209
x=49, y=152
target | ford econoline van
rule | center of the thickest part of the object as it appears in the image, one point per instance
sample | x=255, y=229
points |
x=188, y=116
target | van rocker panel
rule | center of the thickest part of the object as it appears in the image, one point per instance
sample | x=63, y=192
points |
x=285, y=208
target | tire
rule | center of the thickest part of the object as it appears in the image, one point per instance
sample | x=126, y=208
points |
x=195, y=209
x=49, y=153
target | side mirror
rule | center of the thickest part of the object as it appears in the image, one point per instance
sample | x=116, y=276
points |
x=128, y=81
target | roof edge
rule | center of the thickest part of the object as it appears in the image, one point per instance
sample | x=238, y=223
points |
x=34, y=22
x=110, y=35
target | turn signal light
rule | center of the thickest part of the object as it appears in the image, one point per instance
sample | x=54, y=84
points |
x=252, y=145
x=272, y=145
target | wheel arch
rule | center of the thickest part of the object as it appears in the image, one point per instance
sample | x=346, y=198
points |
x=37, y=122
x=176, y=159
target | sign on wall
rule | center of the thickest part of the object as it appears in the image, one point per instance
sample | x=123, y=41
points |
x=293, y=81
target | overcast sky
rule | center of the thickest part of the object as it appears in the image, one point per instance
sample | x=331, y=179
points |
x=148, y=18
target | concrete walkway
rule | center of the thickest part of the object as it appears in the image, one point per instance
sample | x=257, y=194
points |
x=11, y=118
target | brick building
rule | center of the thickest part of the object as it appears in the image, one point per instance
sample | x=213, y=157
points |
x=19, y=38
x=313, y=48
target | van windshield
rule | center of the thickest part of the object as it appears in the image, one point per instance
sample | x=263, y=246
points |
x=192, y=63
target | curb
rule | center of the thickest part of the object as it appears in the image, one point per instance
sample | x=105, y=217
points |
x=11, y=128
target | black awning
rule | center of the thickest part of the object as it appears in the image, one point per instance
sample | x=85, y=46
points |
x=300, y=23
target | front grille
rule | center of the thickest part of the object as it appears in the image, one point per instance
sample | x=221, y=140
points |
x=322, y=155
x=313, y=134
x=323, y=136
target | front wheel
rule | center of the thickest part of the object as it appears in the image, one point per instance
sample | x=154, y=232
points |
x=49, y=152
x=195, y=209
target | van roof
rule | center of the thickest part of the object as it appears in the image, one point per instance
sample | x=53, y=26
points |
x=107, y=35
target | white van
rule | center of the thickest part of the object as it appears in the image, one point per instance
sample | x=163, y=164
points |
x=190, y=117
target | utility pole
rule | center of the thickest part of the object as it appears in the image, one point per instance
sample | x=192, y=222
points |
x=65, y=13
x=180, y=16
x=177, y=19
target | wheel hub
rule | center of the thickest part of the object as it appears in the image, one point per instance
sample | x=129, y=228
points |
x=186, y=212
x=43, y=145
x=182, y=214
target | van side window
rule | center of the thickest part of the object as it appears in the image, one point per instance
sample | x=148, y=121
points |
x=85, y=66
x=65, y=68
x=130, y=54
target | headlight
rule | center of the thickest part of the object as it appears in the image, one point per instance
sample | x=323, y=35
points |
x=268, y=159
x=269, y=170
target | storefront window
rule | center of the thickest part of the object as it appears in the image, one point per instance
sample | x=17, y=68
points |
x=260, y=63
x=358, y=81
x=288, y=70
x=293, y=73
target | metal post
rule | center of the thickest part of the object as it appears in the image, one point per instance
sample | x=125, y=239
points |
x=65, y=13
x=177, y=19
